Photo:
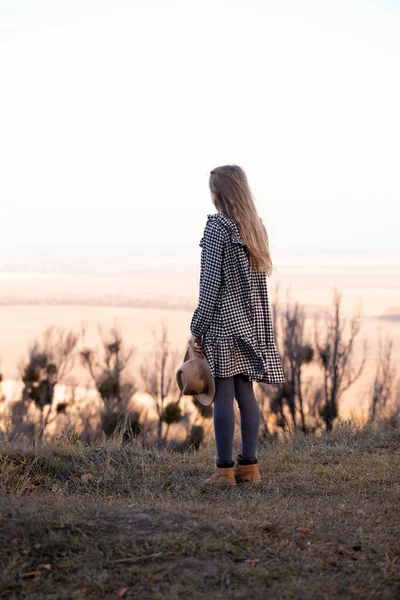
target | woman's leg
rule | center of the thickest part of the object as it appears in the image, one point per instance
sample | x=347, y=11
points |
x=249, y=415
x=224, y=420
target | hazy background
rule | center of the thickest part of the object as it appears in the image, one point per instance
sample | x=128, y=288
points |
x=112, y=115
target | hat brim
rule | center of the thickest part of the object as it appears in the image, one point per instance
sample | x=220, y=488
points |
x=205, y=399
x=208, y=398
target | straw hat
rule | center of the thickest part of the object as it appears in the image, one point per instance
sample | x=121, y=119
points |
x=194, y=377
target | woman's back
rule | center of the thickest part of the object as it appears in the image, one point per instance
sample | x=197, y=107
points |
x=233, y=316
x=232, y=323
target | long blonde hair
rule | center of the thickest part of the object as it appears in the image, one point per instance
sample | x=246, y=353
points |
x=232, y=197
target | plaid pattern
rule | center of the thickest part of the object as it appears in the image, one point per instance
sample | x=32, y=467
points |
x=233, y=317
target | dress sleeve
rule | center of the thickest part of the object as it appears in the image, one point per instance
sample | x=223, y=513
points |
x=210, y=279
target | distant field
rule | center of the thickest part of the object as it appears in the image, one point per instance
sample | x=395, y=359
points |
x=138, y=303
x=172, y=285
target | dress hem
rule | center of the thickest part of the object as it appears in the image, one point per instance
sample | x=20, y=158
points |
x=231, y=355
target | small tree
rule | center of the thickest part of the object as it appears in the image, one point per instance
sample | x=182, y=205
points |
x=158, y=373
x=49, y=361
x=335, y=353
x=109, y=370
x=295, y=351
x=385, y=375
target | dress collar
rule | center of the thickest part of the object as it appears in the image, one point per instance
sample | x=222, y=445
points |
x=230, y=226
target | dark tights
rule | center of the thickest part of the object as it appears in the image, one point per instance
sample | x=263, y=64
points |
x=226, y=389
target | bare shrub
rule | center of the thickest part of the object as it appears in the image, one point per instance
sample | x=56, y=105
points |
x=49, y=361
x=158, y=373
x=335, y=353
x=109, y=369
x=385, y=374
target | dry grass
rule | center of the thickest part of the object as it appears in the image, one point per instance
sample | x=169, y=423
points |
x=129, y=522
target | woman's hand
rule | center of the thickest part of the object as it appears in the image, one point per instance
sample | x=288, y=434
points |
x=195, y=341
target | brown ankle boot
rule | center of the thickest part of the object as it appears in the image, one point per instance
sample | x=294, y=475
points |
x=247, y=472
x=222, y=476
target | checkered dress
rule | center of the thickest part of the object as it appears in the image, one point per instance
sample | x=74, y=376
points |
x=233, y=317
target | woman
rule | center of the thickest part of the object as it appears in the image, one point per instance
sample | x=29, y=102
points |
x=232, y=323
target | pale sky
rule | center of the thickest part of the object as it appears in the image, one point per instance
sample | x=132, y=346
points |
x=113, y=113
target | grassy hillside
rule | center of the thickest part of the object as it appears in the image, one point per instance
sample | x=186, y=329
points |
x=114, y=521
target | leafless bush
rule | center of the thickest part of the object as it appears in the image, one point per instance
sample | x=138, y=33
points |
x=158, y=373
x=49, y=361
x=109, y=370
x=335, y=353
x=385, y=374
